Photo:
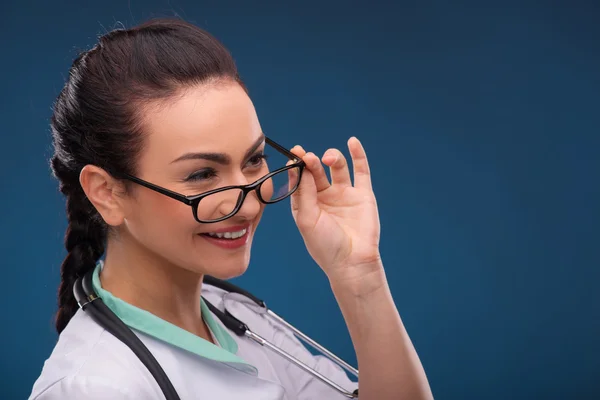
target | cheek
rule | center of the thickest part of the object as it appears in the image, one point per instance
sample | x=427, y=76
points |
x=175, y=215
x=164, y=217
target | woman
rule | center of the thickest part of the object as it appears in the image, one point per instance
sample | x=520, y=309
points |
x=149, y=116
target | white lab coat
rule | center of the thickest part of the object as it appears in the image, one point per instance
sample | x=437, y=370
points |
x=90, y=363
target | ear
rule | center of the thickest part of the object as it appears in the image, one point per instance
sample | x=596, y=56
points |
x=104, y=192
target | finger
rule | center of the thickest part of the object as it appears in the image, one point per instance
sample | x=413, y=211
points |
x=304, y=202
x=318, y=172
x=362, y=173
x=340, y=175
x=298, y=151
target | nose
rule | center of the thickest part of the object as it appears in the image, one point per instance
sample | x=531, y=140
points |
x=250, y=208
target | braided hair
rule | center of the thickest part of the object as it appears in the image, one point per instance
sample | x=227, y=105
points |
x=96, y=120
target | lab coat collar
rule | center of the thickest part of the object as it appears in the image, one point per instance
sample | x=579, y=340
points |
x=150, y=324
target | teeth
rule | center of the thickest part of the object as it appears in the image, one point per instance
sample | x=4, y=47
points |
x=228, y=235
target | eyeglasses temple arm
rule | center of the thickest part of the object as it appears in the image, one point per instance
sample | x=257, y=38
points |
x=283, y=150
x=159, y=189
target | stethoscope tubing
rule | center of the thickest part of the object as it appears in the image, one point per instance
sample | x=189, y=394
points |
x=241, y=329
x=89, y=301
x=103, y=316
x=258, y=339
x=313, y=343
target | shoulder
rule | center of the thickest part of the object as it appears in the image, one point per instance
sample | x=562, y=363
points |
x=247, y=311
x=300, y=384
x=90, y=363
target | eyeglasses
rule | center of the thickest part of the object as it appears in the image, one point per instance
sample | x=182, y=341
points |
x=275, y=186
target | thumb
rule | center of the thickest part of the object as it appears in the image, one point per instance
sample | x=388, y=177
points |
x=304, y=201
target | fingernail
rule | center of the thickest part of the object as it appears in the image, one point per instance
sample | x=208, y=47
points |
x=332, y=157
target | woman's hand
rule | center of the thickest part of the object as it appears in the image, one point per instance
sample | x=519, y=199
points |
x=340, y=226
x=338, y=221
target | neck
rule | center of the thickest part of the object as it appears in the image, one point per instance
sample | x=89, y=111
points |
x=147, y=281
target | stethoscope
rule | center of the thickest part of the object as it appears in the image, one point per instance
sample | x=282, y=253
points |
x=88, y=301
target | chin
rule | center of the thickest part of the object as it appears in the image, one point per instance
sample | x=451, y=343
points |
x=228, y=272
x=223, y=268
x=221, y=263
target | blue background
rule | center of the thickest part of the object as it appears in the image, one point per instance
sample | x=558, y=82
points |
x=481, y=122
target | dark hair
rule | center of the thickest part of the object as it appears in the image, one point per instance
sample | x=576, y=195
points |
x=96, y=120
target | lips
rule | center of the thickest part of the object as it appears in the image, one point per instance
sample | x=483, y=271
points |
x=230, y=229
x=228, y=234
x=231, y=237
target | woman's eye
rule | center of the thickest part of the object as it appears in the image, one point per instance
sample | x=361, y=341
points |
x=257, y=160
x=201, y=175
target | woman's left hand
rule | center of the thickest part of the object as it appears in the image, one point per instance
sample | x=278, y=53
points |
x=338, y=221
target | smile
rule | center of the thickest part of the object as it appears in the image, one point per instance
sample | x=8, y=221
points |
x=234, y=237
x=228, y=235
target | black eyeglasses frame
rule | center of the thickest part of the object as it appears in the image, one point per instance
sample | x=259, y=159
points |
x=194, y=200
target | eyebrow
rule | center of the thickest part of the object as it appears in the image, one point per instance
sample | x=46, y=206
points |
x=220, y=158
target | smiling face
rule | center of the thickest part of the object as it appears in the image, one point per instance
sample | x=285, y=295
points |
x=207, y=138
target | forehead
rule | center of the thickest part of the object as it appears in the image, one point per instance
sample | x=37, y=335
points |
x=204, y=118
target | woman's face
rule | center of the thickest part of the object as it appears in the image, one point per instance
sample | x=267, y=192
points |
x=207, y=138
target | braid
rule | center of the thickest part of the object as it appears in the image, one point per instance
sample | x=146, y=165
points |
x=84, y=240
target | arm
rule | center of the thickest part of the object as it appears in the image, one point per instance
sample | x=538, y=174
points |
x=388, y=363
x=339, y=223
